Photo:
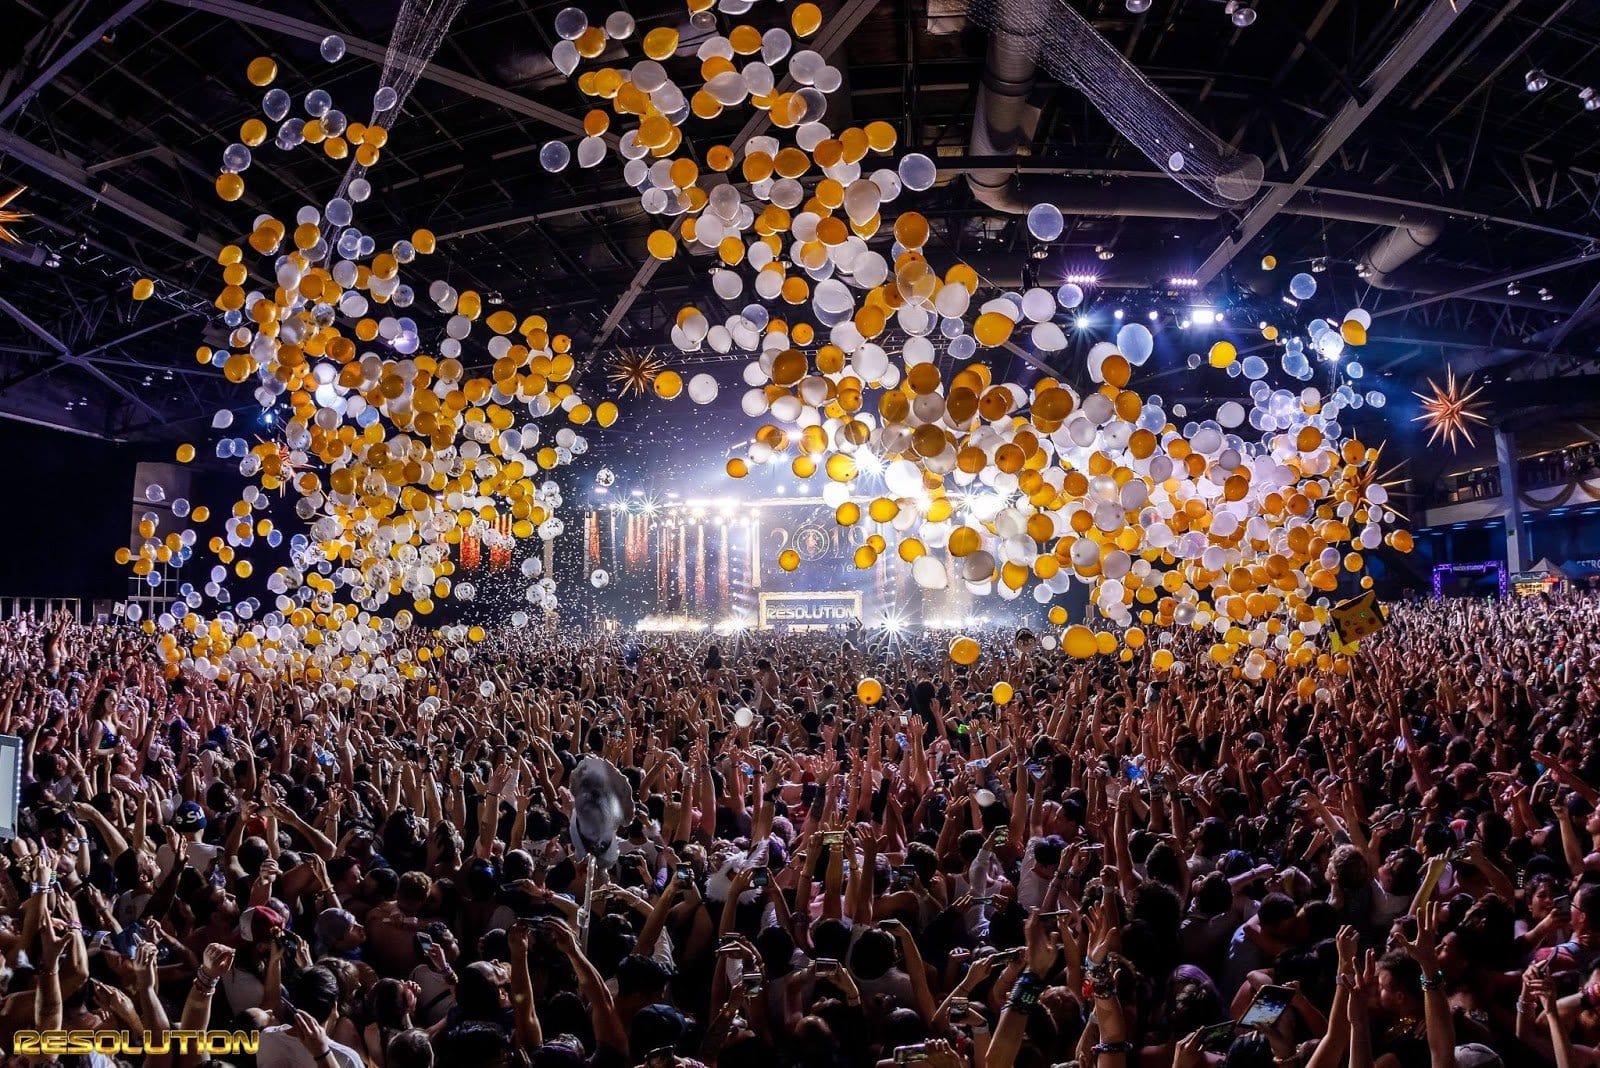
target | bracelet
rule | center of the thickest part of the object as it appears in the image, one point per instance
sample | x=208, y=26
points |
x=1434, y=981
x=1346, y=980
x=1112, y=1047
x=205, y=985
x=1527, y=1008
x=324, y=1055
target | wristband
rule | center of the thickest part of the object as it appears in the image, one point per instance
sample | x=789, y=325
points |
x=1434, y=981
x=205, y=985
x=1112, y=1047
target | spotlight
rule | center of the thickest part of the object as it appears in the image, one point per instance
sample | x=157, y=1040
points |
x=1183, y=281
x=1154, y=316
x=1545, y=294
x=1536, y=80
x=1242, y=14
x=1081, y=322
x=266, y=417
x=1319, y=265
x=1041, y=252
x=1184, y=324
x=1203, y=316
x=1591, y=101
x=1083, y=279
x=1103, y=252
x=1138, y=7
x=1512, y=289
x=1117, y=315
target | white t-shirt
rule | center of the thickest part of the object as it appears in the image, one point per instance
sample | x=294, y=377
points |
x=201, y=854
x=280, y=1049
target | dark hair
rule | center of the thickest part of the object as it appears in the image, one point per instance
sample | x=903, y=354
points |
x=316, y=990
x=872, y=955
x=637, y=974
x=1047, y=850
x=1213, y=895
x=386, y=1005
x=1276, y=908
x=409, y=1049
x=474, y=1042
x=1403, y=969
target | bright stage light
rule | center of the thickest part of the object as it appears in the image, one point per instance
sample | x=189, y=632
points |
x=869, y=463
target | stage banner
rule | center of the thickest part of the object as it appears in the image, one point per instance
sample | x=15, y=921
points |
x=809, y=609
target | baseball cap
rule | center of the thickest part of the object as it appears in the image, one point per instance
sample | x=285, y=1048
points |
x=189, y=817
x=334, y=924
x=655, y=1026
x=1477, y=1055
x=259, y=923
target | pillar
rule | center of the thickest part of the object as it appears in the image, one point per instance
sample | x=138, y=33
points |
x=1505, y=454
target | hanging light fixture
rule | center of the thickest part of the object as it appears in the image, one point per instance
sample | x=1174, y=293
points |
x=1536, y=80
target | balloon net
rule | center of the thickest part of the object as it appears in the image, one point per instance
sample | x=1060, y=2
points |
x=1073, y=52
x=419, y=29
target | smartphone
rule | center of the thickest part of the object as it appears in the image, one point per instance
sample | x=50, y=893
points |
x=751, y=982
x=424, y=943
x=1006, y=956
x=760, y=878
x=958, y=1010
x=1562, y=903
x=909, y=1054
x=826, y=966
x=665, y=1057
x=833, y=838
x=684, y=873
x=1218, y=1035
x=1269, y=1005
x=1036, y=769
x=1001, y=836
x=1458, y=856
x=906, y=874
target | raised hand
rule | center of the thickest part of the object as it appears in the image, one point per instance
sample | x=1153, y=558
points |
x=1424, y=949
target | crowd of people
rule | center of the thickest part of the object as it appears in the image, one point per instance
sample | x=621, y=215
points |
x=1393, y=865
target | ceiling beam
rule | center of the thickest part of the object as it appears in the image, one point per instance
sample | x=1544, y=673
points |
x=73, y=174
x=68, y=356
x=1583, y=313
x=306, y=31
x=1416, y=43
x=836, y=31
x=61, y=62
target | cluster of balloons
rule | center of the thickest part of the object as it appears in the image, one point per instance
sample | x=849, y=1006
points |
x=392, y=454
x=1242, y=522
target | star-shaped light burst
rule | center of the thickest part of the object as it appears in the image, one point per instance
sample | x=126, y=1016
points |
x=635, y=370
x=1449, y=412
x=1374, y=474
x=8, y=216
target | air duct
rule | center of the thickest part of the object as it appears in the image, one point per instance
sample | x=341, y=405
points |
x=1001, y=127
